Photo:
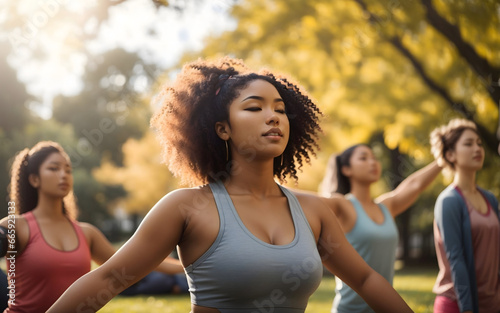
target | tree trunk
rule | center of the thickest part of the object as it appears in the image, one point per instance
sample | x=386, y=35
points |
x=482, y=66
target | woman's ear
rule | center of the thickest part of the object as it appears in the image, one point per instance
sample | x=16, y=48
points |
x=34, y=180
x=346, y=170
x=450, y=156
x=223, y=130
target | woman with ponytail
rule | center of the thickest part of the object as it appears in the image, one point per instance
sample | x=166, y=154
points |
x=466, y=226
x=368, y=224
x=46, y=248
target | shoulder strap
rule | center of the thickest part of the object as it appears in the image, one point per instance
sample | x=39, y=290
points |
x=82, y=239
x=218, y=191
x=296, y=209
x=356, y=204
x=32, y=224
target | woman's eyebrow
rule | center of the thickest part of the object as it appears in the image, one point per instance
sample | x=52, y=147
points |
x=261, y=99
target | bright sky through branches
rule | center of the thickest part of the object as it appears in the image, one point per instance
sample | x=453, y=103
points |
x=158, y=36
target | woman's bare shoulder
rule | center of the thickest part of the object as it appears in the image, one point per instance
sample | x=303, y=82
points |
x=14, y=220
x=311, y=202
x=186, y=199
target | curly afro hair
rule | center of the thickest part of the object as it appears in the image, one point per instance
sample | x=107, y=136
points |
x=200, y=96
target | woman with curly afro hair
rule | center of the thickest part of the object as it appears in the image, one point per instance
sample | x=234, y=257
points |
x=247, y=243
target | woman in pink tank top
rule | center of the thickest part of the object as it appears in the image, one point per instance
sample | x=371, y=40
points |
x=466, y=227
x=45, y=247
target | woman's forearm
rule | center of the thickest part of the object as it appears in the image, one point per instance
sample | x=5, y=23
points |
x=92, y=291
x=381, y=296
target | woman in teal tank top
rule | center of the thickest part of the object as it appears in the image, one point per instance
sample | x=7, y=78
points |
x=368, y=224
x=248, y=245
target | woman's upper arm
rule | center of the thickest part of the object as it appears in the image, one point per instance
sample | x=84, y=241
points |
x=449, y=222
x=334, y=203
x=16, y=234
x=342, y=208
x=156, y=237
x=338, y=256
x=448, y=219
x=100, y=248
x=408, y=191
x=4, y=221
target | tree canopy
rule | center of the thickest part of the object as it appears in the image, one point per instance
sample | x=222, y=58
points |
x=396, y=68
x=384, y=72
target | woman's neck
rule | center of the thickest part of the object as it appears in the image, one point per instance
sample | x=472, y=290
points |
x=361, y=192
x=254, y=178
x=49, y=207
x=465, y=180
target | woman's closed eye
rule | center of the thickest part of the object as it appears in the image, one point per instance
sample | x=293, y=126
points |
x=253, y=109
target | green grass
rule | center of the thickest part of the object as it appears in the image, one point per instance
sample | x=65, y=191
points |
x=414, y=285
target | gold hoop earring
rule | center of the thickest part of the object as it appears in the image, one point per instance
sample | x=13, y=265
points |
x=227, y=151
x=281, y=160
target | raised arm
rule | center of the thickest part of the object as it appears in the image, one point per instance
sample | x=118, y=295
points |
x=401, y=198
x=340, y=258
x=155, y=238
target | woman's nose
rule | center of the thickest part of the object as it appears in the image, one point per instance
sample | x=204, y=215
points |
x=273, y=119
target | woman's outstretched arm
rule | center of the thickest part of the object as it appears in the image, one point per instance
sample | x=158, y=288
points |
x=101, y=250
x=155, y=238
x=340, y=258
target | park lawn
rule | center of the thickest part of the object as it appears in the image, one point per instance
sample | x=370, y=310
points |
x=414, y=285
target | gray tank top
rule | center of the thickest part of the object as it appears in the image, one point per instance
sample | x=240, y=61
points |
x=241, y=273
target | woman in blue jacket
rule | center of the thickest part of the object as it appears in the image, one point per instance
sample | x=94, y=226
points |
x=466, y=226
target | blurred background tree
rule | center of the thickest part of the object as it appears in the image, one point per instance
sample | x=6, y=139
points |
x=384, y=72
x=68, y=76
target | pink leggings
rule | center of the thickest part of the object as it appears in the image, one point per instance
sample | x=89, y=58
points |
x=444, y=304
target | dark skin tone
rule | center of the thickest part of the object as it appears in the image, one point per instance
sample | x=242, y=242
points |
x=188, y=217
